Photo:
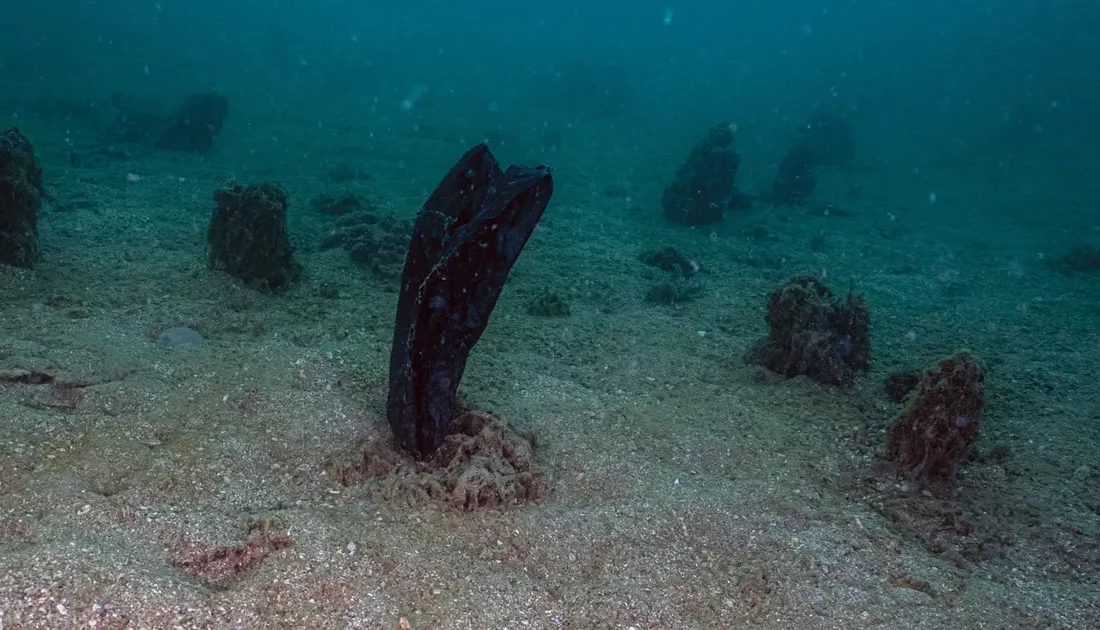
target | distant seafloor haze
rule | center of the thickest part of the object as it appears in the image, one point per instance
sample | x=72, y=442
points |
x=925, y=78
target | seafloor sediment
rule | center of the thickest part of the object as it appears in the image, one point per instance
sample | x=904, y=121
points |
x=148, y=487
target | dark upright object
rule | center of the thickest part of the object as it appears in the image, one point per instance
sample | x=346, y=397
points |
x=248, y=236
x=20, y=198
x=196, y=123
x=936, y=433
x=703, y=189
x=811, y=332
x=466, y=239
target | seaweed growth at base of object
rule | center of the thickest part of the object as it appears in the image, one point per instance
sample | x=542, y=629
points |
x=481, y=464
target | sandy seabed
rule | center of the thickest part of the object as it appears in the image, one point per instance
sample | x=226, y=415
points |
x=151, y=488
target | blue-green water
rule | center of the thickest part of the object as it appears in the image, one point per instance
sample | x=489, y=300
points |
x=247, y=477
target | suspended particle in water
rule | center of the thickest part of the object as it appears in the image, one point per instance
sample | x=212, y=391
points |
x=667, y=21
x=807, y=30
x=931, y=197
x=492, y=107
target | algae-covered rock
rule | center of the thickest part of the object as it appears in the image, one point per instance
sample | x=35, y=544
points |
x=21, y=194
x=703, y=189
x=934, y=435
x=811, y=332
x=248, y=236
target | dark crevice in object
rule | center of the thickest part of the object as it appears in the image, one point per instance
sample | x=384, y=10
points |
x=248, y=236
x=21, y=193
x=465, y=241
x=935, y=434
x=703, y=189
x=195, y=124
x=813, y=333
x=670, y=259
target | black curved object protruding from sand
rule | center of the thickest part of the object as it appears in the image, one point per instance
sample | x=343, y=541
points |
x=466, y=239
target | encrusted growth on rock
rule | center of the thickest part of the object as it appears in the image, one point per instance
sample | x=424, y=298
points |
x=248, y=236
x=934, y=435
x=21, y=194
x=811, y=332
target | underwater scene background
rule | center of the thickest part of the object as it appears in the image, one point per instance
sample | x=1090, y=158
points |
x=807, y=336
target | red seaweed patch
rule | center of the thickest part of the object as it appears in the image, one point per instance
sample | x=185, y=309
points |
x=220, y=566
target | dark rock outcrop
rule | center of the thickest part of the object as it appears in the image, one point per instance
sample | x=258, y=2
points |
x=248, y=236
x=703, y=188
x=21, y=192
x=811, y=332
x=934, y=435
